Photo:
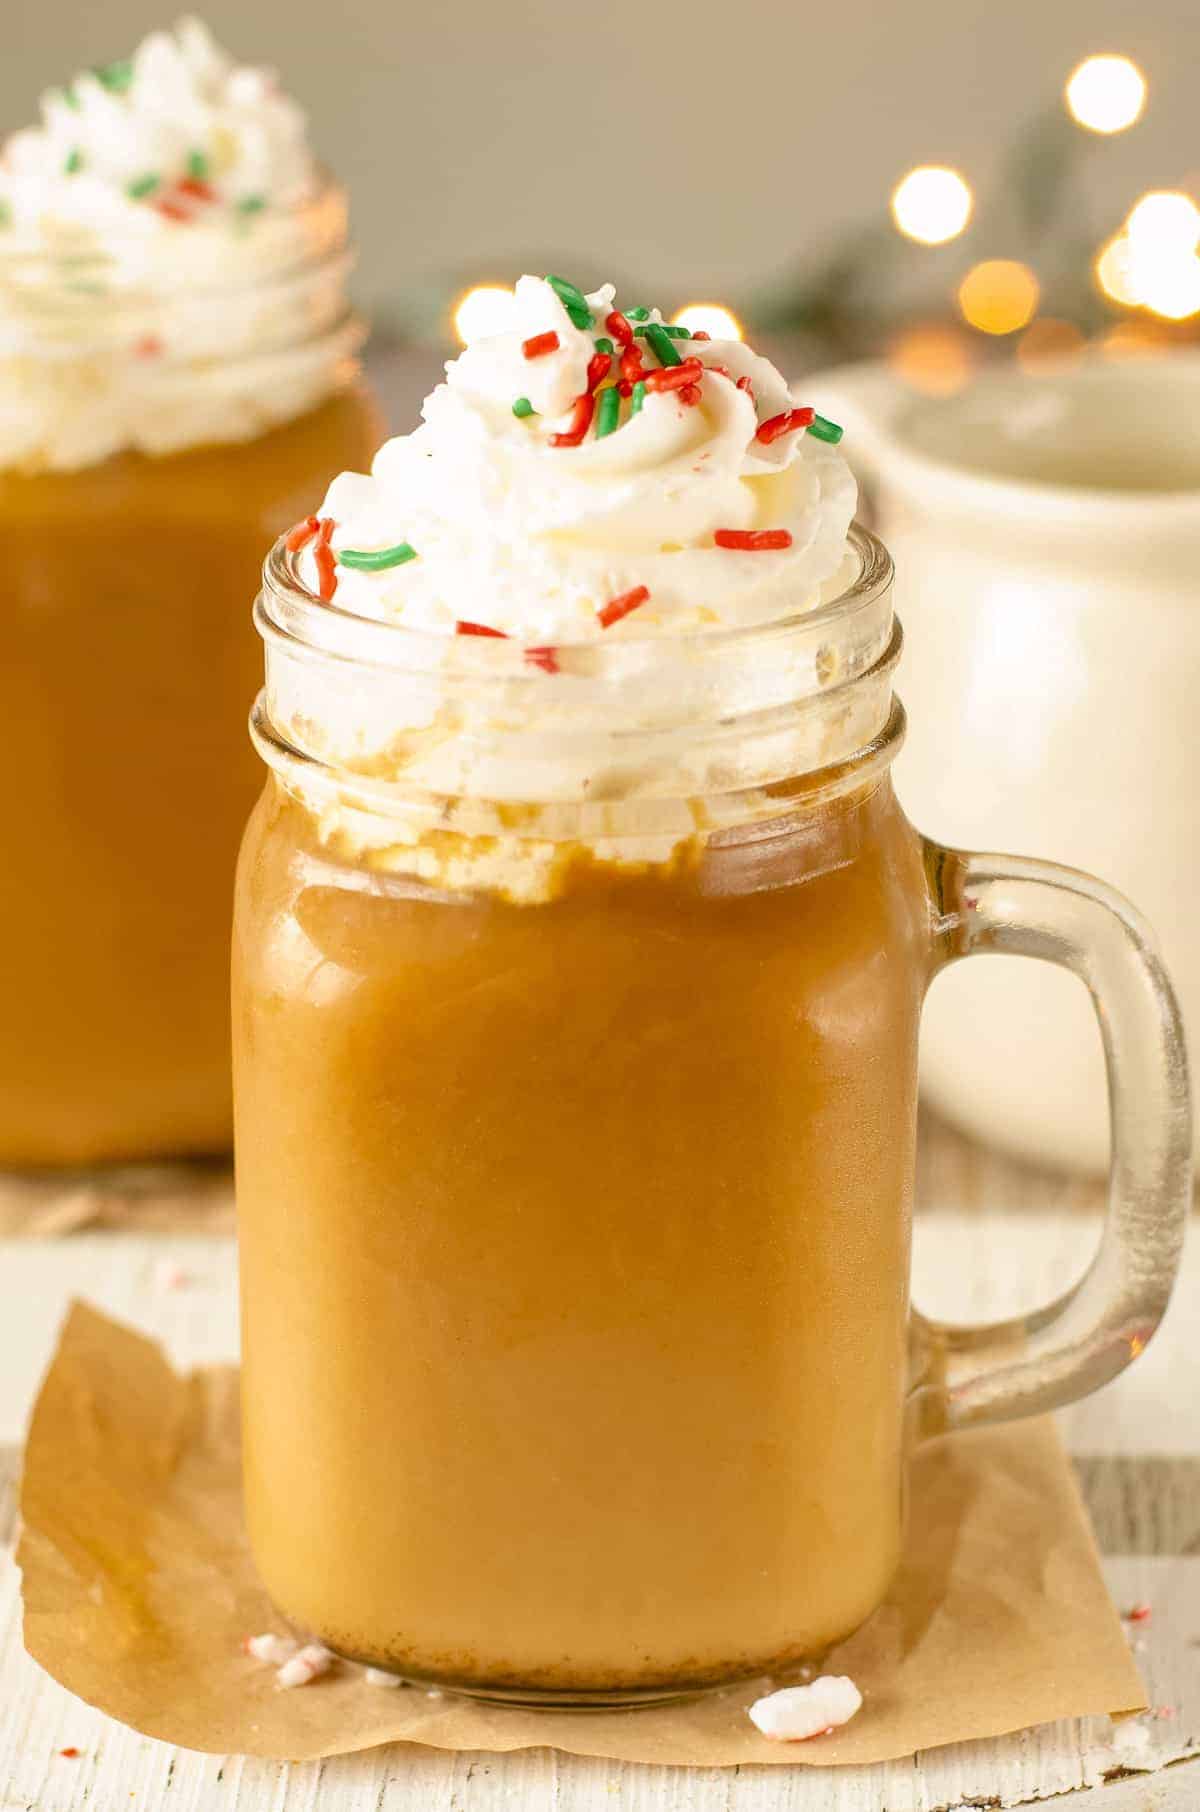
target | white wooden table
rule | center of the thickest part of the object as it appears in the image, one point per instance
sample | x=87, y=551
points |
x=1008, y=1236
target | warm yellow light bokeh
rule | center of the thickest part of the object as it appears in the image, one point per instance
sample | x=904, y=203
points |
x=1106, y=93
x=1164, y=217
x=932, y=204
x=932, y=357
x=483, y=311
x=1114, y=274
x=711, y=318
x=1049, y=344
x=998, y=296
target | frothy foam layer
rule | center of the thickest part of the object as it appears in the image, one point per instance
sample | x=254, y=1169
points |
x=172, y=266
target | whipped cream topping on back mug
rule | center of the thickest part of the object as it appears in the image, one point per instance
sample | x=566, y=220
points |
x=591, y=472
x=172, y=261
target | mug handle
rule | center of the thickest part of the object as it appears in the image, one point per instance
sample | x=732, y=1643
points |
x=1036, y=1362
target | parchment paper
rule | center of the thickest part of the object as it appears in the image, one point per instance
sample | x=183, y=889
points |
x=139, y=1588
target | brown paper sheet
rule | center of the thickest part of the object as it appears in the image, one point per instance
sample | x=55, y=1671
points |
x=139, y=1588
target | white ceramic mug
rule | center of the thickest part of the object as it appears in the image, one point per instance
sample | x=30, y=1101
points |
x=1046, y=531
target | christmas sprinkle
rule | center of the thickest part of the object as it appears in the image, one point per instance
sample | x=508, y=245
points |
x=523, y=407
x=544, y=658
x=660, y=342
x=116, y=77
x=74, y=162
x=672, y=331
x=603, y=345
x=573, y=300
x=599, y=366
x=675, y=377
x=465, y=628
x=198, y=166
x=251, y=204
x=540, y=345
x=753, y=541
x=608, y=412
x=637, y=314
x=790, y=422
x=326, y=564
x=581, y=421
x=377, y=560
x=70, y=1752
x=141, y=186
x=616, y=608
x=637, y=397
x=619, y=328
x=824, y=429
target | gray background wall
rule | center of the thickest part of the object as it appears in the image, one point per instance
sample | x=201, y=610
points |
x=702, y=146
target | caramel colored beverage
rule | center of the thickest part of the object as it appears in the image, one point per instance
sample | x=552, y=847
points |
x=178, y=378
x=128, y=661
x=579, y=952
x=602, y=1209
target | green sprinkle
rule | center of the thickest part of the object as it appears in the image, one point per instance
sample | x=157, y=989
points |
x=5, y=214
x=377, y=560
x=116, y=77
x=661, y=343
x=608, y=411
x=573, y=300
x=251, y=204
x=141, y=186
x=637, y=314
x=825, y=429
x=604, y=346
x=668, y=327
x=74, y=163
x=523, y=407
x=70, y=97
x=197, y=166
x=637, y=399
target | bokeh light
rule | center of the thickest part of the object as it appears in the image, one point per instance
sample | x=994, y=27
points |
x=1049, y=344
x=998, y=296
x=1106, y=93
x=1153, y=263
x=933, y=357
x=710, y=318
x=932, y=204
x=483, y=311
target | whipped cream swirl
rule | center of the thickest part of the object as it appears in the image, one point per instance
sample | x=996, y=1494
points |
x=172, y=262
x=532, y=539
x=130, y=150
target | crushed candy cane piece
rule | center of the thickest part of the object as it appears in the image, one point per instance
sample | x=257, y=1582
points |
x=796, y=1713
x=1138, y=1613
x=379, y=1676
x=309, y=1664
x=272, y=1649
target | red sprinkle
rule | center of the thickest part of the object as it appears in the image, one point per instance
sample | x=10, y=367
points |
x=631, y=364
x=545, y=658
x=196, y=187
x=326, y=564
x=599, y=366
x=540, y=345
x=690, y=394
x=675, y=377
x=625, y=388
x=148, y=347
x=464, y=628
x=581, y=420
x=70, y=1752
x=619, y=328
x=172, y=209
x=1140, y=1613
x=744, y=383
x=701, y=335
x=616, y=608
x=753, y=541
x=301, y=535
x=790, y=422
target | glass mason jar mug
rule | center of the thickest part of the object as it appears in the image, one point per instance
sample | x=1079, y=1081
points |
x=162, y=413
x=576, y=1022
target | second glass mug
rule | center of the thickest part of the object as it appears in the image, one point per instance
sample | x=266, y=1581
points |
x=575, y=1078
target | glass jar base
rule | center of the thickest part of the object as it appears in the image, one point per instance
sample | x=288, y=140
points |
x=546, y=1698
